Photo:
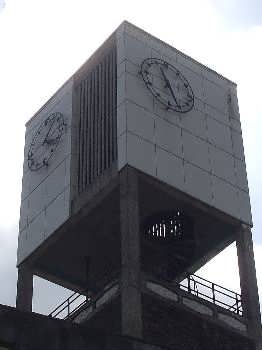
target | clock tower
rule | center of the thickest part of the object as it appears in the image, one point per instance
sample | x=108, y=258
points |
x=134, y=178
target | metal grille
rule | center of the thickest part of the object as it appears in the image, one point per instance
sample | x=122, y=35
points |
x=169, y=226
x=97, y=144
x=169, y=245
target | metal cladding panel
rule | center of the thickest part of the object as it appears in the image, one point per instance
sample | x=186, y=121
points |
x=199, y=152
x=45, y=191
x=96, y=146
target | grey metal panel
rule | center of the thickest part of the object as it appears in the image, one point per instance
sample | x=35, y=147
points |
x=196, y=150
x=195, y=122
x=170, y=168
x=244, y=207
x=238, y=147
x=140, y=121
x=168, y=136
x=97, y=144
x=210, y=146
x=222, y=164
x=241, y=174
x=198, y=183
x=42, y=188
x=225, y=196
x=141, y=154
x=219, y=135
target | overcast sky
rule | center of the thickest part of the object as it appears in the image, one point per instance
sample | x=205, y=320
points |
x=42, y=43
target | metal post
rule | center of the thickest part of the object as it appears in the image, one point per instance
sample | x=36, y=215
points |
x=188, y=283
x=237, y=304
x=213, y=293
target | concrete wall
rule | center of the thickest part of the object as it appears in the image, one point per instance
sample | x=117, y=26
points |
x=45, y=192
x=199, y=152
x=23, y=330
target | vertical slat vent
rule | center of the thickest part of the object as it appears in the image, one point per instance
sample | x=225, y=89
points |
x=97, y=144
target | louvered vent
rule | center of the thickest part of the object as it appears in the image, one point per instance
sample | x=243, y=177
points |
x=97, y=144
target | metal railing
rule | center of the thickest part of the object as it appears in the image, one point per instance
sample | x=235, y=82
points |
x=213, y=293
x=69, y=308
x=192, y=284
x=74, y=302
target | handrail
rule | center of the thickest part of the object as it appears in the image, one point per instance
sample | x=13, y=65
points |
x=192, y=284
x=202, y=278
x=216, y=293
x=66, y=304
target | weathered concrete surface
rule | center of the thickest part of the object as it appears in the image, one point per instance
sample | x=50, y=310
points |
x=30, y=331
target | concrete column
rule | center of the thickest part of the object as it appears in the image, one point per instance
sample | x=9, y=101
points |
x=248, y=283
x=24, y=294
x=131, y=313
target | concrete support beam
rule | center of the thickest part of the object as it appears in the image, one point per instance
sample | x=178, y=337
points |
x=248, y=283
x=131, y=309
x=24, y=293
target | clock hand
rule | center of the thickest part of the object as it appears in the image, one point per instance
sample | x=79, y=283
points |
x=47, y=135
x=169, y=85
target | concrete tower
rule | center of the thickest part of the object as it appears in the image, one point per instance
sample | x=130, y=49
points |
x=134, y=178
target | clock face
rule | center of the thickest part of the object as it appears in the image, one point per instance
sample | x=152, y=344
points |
x=167, y=85
x=45, y=141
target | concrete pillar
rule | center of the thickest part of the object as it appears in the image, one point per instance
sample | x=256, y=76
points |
x=131, y=309
x=24, y=294
x=248, y=283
